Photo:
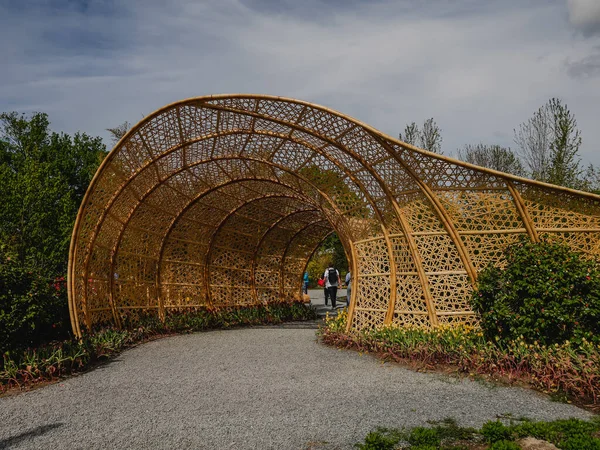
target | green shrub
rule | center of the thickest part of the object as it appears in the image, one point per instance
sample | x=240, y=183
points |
x=380, y=439
x=423, y=437
x=559, y=431
x=448, y=430
x=495, y=431
x=546, y=293
x=567, y=434
x=33, y=307
x=581, y=442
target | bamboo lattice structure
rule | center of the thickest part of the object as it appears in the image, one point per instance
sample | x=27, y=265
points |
x=220, y=201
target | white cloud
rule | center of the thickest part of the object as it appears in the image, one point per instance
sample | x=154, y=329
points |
x=585, y=15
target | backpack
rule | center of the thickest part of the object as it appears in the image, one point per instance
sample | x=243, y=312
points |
x=332, y=276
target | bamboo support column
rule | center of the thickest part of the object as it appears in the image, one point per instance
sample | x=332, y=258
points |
x=523, y=213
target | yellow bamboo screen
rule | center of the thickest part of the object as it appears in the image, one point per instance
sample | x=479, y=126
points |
x=220, y=201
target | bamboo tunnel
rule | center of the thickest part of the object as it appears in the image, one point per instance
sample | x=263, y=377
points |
x=220, y=201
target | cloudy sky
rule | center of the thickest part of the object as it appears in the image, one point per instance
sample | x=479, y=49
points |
x=479, y=67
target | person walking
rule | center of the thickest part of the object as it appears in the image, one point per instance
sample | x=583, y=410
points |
x=348, y=288
x=305, y=284
x=332, y=281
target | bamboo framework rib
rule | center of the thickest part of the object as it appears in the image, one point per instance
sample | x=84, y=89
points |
x=220, y=201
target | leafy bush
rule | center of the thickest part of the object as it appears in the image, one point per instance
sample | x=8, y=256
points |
x=581, y=443
x=380, y=439
x=43, y=178
x=33, y=307
x=567, y=434
x=495, y=431
x=558, y=431
x=546, y=293
x=422, y=437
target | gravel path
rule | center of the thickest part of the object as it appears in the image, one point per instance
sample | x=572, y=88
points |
x=257, y=388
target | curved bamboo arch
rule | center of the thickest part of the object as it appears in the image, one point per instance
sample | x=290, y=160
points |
x=243, y=188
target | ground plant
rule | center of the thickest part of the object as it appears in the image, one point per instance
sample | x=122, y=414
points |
x=493, y=435
x=569, y=369
x=22, y=369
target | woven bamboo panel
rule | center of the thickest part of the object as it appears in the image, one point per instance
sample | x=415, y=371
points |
x=220, y=201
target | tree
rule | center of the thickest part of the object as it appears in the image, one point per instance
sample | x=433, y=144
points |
x=412, y=135
x=43, y=178
x=330, y=252
x=428, y=138
x=492, y=156
x=591, y=179
x=533, y=143
x=118, y=132
x=549, y=142
x=564, y=146
x=431, y=137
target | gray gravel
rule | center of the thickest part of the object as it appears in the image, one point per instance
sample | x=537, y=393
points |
x=267, y=387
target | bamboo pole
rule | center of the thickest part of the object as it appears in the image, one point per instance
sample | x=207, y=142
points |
x=523, y=213
x=262, y=239
x=440, y=211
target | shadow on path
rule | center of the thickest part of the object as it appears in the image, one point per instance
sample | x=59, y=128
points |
x=27, y=435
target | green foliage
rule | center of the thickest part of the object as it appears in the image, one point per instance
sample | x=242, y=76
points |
x=566, y=434
x=581, y=443
x=549, y=143
x=546, y=293
x=495, y=431
x=333, y=244
x=424, y=437
x=202, y=319
x=317, y=265
x=449, y=431
x=428, y=137
x=381, y=439
x=564, y=146
x=558, y=431
x=33, y=306
x=43, y=178
x=330, y=252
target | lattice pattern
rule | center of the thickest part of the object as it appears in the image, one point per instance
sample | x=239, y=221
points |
x=220, y=201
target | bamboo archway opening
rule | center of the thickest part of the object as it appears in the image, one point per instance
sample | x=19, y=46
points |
x=220, y=201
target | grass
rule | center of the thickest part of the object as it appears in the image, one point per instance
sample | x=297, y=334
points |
x=59, y=359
